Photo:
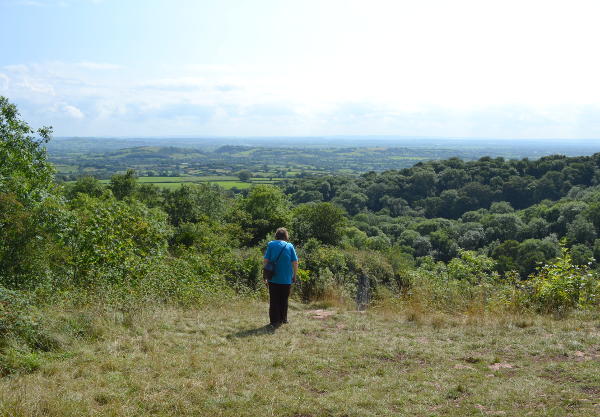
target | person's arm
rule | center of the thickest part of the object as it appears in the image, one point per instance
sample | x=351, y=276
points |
x=295, y=267
x=266, y=260
x=294, y=259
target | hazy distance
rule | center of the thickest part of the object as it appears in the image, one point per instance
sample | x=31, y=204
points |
x=510, y=69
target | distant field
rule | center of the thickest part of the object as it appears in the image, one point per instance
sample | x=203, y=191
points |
x=402, y=158
x=187, y=178
x=231, y=184
x=65, y=168
x=227, y=182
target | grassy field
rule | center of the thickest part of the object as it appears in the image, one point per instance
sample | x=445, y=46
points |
x=227, y=182
x=222, y=361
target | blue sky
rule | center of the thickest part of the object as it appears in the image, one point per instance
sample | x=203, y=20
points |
x=467, y=68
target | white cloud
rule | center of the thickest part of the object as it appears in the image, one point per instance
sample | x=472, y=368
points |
x=98, y=65
x=17, y=68
x=72, y=111
x=4, y=82
x=175, y=83
x=242, y=101
x=53, y=3
x=36, y=86
x=34, y=3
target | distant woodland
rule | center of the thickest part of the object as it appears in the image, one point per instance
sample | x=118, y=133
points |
x=510, y=233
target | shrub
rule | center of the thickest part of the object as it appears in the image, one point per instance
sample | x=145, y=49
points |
x=21, y=333
x=312, y=285
x=470, y=267
x=114, y=240
x=242, y=269
x=326, y=266
x=188, y=279
x=29, y=243
x=560, y=286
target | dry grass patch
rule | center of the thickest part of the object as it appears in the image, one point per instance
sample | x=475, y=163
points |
x=224, y=361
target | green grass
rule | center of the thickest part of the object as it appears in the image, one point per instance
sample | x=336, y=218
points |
x=225, y=184
x=65, y=169
x=188, y=178
x=402, y=158
x=221, y=361
x=225, y=181
x=230, y=184
x=166, y=179
x=168, y=185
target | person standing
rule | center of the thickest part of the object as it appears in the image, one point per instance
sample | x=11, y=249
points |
x=283, y=254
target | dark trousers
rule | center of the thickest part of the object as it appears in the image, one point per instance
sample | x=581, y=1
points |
x=278, y=302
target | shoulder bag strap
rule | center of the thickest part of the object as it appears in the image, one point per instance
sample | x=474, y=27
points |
x=280, y=252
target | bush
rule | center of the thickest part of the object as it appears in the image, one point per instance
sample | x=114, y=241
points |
x=325, y=267
x=188, y=279
x=560, y=286
x=21, y=333
x=112, y=240
x=312, y=285
x=241, y=269
x=470, y=267
x=29, y=243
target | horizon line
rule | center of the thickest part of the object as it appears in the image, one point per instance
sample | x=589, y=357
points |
x=388, y=137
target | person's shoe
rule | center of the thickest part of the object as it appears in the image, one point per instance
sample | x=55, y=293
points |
x=285, y=322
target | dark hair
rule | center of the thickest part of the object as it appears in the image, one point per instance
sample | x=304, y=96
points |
x=282, y=234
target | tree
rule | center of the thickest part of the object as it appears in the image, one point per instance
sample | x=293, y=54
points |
x=322, y=221
x=150, y=195
x=479, y=194
x=471, y=239
x=24, y=170
x=422, y=246
x=268, y=209
x=593, y=213
x=352, y=201
x=582, y=254
x=549, y=186
x=452, y=178
x=244, y=175
x=86, y=185
x=28, y=203
x=422, y=184
x=501, y=207
x=192, y=203
x=533, y=252
x=408, y=237
x=446, y=247
x=517, y=191
x=581, y=230
x=123, y=185
x=503, y=226
x=506, y=255
x=537, y=228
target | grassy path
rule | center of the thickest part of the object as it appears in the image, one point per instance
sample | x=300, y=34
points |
x=222, y=362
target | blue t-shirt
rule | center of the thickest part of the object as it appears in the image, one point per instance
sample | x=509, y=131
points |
x=283, y=270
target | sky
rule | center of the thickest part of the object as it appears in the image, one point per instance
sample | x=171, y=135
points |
x=452, y=68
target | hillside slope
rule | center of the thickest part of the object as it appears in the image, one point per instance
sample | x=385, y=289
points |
x=220, y=361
